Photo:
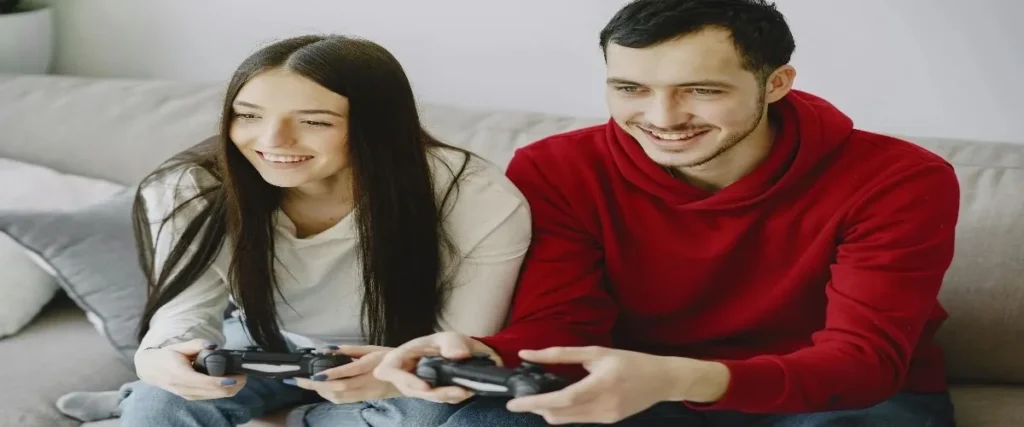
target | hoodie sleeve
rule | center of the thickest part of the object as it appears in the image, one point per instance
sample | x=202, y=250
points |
x=560, y=299
x=896, y=246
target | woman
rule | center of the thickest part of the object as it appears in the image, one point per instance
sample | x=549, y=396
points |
x=328, y=216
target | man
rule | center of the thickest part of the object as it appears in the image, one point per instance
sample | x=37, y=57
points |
x=726, y=250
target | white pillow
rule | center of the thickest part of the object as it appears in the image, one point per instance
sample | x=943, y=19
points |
x=25, y=284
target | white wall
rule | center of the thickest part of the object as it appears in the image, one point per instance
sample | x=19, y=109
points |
x=920, y=67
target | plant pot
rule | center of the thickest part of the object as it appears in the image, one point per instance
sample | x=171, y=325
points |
x=26, y=41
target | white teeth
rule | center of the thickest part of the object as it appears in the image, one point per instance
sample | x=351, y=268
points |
x=676, y=136
x=285, y=159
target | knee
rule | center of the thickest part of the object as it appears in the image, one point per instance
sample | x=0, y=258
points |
x=492, y=413
x=140, y=400
x=408, y=411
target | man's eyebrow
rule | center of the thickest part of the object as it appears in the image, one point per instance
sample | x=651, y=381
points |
x=697, y=83
x=307, y=111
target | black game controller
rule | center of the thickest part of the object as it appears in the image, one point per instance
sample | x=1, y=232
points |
x=304, y=362
x=483, y=377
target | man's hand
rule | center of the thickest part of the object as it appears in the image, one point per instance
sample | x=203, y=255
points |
x=351, y=382
x=398, y=365
x=620, y=384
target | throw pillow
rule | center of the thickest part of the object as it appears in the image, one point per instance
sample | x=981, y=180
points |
x=93, y=253
x=26, y=286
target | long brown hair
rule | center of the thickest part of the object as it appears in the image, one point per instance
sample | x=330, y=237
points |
x=398, y=216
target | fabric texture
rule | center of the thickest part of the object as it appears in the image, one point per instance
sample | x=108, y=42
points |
x=56, y=353
x=903, y=409
x=26, y=284
x=92, y=252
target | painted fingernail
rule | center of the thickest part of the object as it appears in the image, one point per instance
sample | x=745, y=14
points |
x=333, y=347
x=290, y=381
x=228, y=381
x=209, y=344
x=319, y=377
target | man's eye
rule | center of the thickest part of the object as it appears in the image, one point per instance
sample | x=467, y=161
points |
x=700, y=91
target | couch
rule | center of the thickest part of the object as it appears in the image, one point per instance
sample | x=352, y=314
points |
x=119, y=129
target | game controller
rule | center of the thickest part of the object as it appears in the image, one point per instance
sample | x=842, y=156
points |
x=483, y=377
x=303, y=362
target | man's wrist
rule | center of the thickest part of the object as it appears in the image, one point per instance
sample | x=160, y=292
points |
x=697, y=381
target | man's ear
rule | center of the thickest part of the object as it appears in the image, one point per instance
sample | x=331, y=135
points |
x=779, y=83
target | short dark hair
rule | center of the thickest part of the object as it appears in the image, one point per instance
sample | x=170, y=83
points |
x=759, y=31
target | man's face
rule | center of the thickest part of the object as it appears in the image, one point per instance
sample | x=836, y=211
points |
x=686, y=101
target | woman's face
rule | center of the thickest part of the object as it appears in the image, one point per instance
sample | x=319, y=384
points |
x=292, y=130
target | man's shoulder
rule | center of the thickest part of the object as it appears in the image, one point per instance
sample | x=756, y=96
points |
x=890, y=152
x=881, y=169
x=574, y=145
x=577, y=153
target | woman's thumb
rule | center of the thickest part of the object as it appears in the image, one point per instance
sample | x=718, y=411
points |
x=453, y=346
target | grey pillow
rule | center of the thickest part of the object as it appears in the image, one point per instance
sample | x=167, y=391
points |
x=95, y=259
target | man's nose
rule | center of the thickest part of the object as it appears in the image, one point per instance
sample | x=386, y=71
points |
x=667, y=112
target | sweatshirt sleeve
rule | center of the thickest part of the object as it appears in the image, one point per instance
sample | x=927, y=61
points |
x=894, y=250
x=197, y=311
x=560, y=299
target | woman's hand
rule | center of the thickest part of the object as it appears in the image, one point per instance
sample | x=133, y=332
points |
x=352, y=382
x=170, y=368
x=399, y=364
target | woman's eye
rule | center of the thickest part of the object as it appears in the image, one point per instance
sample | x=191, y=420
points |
x=316, y=123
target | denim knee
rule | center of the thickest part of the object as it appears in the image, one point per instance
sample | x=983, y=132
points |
x=143, y=404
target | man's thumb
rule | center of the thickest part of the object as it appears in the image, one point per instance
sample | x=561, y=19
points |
x=193, y=347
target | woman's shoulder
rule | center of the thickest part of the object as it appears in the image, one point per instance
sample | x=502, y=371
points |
x=482, y=200
x=477, y=179
x=170, y=188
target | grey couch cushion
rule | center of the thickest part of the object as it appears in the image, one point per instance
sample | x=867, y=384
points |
x=57, y=353
x=114, y=129
x=988, y=406
x=93, y=253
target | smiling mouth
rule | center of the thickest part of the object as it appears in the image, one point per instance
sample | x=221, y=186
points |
x=674, y=137
x=282, y=158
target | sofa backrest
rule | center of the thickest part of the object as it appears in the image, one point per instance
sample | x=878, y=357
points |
x=121, y=129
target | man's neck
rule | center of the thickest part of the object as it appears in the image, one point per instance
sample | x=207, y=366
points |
x=732, y=165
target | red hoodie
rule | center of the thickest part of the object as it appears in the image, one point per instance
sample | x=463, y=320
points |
x=814, y=278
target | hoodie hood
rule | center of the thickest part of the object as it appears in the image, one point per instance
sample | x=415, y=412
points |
x=808, y=130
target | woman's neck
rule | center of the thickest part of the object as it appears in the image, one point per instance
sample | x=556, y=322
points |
x=318, y=206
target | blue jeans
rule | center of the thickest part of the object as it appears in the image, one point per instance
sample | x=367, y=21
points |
x=146, y=405
x=902, y=410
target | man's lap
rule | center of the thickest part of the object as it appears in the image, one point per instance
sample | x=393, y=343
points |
x=903, y=410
